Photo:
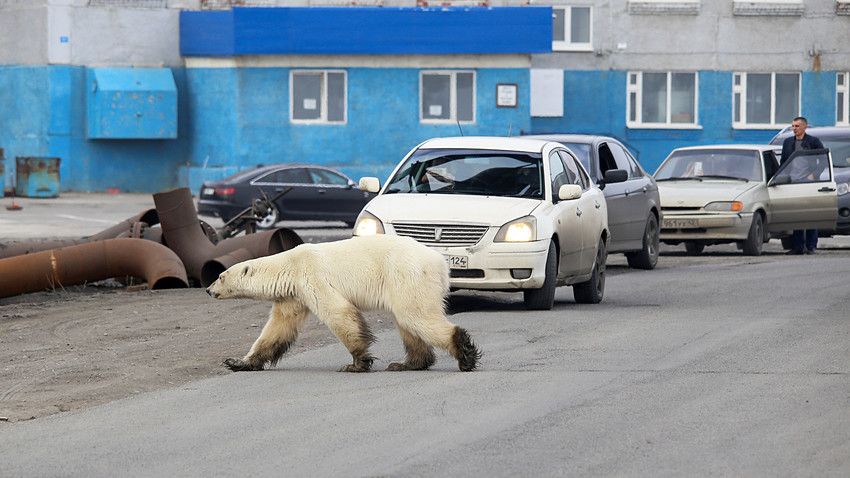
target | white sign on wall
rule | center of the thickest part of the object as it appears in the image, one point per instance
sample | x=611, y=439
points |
x=58, y=35
x=547, y=92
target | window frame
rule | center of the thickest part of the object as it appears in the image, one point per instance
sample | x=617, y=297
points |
x=636, y=89
x=323, y=114
x=453, y=99
x=567, y=44
x=842, y=98
x=739, y=100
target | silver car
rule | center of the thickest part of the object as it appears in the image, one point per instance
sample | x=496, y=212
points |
x=634, y=206
x=740, y=194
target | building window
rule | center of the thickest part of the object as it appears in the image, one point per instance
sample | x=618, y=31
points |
x=842, y=99
x=666, y=100
x=571, y=28
x=318, y=96
x=447, y=96
x=765, y=100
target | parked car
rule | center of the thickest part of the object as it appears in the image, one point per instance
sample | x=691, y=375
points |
x=508, y=214
x=837, y=140
x=318, y=193
x=739, y=193
x=634, y=207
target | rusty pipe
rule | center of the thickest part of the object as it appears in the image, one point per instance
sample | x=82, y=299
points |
x=94, y=261
x=213, y=267
x=181, y=232
x=123, y=228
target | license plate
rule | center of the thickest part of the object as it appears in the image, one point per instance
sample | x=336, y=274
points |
x=679, y=223
x=457, y=262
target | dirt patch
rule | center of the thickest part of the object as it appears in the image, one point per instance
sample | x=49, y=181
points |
x=89, y=345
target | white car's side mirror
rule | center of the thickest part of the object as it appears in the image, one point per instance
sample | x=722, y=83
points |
x=569, y=191
x=370, y=184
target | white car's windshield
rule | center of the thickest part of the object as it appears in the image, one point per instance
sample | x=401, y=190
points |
x=477, y=172
x=711, y=164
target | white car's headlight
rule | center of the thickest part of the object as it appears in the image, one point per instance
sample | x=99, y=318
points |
x=368, y=225
x=728, y=206
x=523, y=229
x=843, y=188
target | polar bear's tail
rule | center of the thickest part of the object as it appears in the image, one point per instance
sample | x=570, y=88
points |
x=466, y=353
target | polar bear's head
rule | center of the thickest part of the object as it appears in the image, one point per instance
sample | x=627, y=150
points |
x=234, y=283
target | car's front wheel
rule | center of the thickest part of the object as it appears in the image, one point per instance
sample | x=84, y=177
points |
x=591, y=292
x=754, y=244
x=544, y=297
x=647, y=257
x=270, y=219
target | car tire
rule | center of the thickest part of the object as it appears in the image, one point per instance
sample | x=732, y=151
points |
x=591, y=292
x=754, y=244
x=694, y=247
x=647, y=257
x=268, y=222
x=544, y=297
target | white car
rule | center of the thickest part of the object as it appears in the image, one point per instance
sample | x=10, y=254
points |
x=739, y=193
x=508, y=214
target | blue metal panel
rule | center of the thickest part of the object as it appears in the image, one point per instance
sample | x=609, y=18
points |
x=208, y=33
x=377, y=31
x=131, y=103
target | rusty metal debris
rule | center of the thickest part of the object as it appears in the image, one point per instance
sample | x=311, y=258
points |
x=66, y=266
x=246, y=221
x=181, y=233
x=168, y=247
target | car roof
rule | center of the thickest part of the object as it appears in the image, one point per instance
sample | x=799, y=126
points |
x=262, y=169
x=816, y=131
x=757, y=147
x=572, y=138
x=511, y=143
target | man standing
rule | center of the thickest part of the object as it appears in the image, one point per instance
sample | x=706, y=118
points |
x=805, y=241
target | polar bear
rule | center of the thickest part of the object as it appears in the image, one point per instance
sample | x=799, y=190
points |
x=336, y=281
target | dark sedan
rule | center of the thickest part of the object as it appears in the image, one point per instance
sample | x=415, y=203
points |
x=837, y=140
x=634, y=205
x=318, y=194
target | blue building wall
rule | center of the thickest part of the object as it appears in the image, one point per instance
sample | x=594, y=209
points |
x=44, y=116
x=232, y=118
x=240, y=118
x=595, y=102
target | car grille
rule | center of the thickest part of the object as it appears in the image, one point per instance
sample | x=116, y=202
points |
x=442, y=235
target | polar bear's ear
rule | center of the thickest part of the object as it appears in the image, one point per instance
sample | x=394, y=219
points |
x=246, y=271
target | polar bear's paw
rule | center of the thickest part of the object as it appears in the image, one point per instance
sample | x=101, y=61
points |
x=239, y=365
x=360, y=365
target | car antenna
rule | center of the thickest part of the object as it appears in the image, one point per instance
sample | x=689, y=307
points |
x=511, y=127
x=458, y=127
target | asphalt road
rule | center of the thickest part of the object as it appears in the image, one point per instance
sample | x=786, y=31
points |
x=718, y=365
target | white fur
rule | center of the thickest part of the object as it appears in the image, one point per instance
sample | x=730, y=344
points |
x=335, y=280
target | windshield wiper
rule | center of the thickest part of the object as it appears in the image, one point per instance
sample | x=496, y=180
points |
x=719, y=176
x=690, y=178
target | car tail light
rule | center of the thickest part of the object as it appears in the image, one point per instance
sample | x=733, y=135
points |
x=224, y=191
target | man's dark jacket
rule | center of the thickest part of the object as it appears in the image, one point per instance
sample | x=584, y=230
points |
x=809, y=142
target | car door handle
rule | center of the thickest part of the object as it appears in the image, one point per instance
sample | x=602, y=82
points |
x=826, y=189
x=578, y=212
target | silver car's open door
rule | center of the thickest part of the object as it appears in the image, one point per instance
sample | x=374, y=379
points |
x=802, y=193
